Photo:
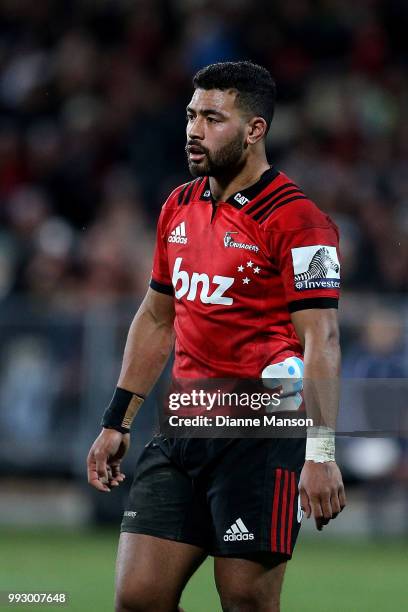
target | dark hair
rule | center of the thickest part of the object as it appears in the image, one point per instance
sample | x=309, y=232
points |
x=254, y=84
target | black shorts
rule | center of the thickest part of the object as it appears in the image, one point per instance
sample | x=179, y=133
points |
x=229, y=497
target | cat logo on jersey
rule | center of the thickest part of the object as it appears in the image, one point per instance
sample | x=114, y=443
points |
x=241, y=199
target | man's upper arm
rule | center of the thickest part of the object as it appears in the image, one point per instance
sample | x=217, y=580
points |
x=160, y=306
x=161, y=275
x=305, y=248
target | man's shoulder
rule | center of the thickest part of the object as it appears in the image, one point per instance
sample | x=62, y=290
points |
x=292, y=209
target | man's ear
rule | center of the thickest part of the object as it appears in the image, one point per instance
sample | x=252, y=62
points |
x=257, y=128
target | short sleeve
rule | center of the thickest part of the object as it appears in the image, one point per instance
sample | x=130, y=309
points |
x=161, y=280
x=308, y=259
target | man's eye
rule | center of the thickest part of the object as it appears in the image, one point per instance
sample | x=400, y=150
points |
x=212, y=120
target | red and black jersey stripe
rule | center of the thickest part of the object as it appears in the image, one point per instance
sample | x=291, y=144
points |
x=250, y=194
x=188, y=191
x=200, y=189
x=284, y=512
x=261, y=209
x=263, y=198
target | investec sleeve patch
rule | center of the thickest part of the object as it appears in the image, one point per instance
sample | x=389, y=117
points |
x=316, y=267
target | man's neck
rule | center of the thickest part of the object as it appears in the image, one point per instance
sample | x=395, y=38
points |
x=222, y=187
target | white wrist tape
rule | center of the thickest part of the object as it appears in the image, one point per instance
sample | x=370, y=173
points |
x=320, y=444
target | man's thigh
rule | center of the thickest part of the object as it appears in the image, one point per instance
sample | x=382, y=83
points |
x=151, y=572
x=163, y=501
x=251, y=584
x=254, y=500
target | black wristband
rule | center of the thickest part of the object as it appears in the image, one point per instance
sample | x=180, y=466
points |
x=122, y=409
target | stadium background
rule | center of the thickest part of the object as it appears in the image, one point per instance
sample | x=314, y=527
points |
x=92, y=119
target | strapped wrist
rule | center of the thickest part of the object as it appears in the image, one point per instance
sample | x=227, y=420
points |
x=122, y=409
x=320, y=444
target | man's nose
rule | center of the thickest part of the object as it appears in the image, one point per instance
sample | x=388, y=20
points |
x=195, y=129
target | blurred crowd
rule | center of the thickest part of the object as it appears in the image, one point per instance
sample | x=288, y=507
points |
x=92, y=134
x=92, y=119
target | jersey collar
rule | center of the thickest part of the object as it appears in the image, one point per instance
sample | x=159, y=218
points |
x=244, y=196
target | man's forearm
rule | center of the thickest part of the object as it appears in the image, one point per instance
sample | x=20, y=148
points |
x=149, y=343
x=322, y=361
x=148, y=346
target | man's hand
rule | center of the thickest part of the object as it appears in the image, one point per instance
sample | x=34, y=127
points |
x=321, y=491
x=104, y=459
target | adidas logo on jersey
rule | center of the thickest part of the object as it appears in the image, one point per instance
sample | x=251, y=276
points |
x=238, y=532
x=178, y=235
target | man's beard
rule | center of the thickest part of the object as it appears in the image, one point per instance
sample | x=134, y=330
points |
x=219, y=162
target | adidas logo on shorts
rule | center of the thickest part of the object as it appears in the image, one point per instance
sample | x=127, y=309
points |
x=178, y=235
x=238, y=532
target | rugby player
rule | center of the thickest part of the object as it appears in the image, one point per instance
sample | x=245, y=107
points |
x=245, y=275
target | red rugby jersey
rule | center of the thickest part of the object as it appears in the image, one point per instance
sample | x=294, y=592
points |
x=238, y=269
